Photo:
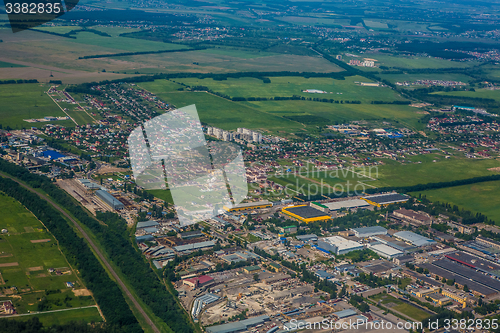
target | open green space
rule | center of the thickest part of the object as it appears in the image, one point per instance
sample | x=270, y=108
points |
x=222, y=113
x=88, y=315
x=23, y=263
x=483, y=198
x=26, y=101
x=479, y=93
x=400, y=306
x=413, y=62
x=425, y=76
x=320, y=114
x=393, y=173
x=348, y=89
x=8, y=64
x=123, y=43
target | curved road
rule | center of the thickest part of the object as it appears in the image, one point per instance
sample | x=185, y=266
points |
x=95, y=248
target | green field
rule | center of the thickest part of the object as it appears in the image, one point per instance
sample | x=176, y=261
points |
x=222, y=113
x=123, y=44
x=402, y=307
x=8, y=64
x=483, y=198
x=33, y=259
x=25, y=265
x=479, y=93
x=346, y=89
x=276, y=117
x=87, y=315
x=414, y=62
x=397, y=174
x=414, y=77
x=26, y=101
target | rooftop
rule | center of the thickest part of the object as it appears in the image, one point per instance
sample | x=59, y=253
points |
x=346, y=204
x=415, y=239
x=305, y=212
x=388, y=198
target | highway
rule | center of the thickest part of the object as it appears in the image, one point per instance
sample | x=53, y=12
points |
x=96, y=250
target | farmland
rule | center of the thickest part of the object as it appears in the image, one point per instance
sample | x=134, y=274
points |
x=481, y=197
x=32, y=265
x=348, y=89
x=87, y=315
x=395, y=174
x=35, y=102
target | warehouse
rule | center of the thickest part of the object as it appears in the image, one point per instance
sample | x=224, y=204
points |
x=382, y=200
x=147, y=224
x=346, y=204
x=110, y=200
x=385, y=251
x=338, y=245
x=249, y=205
x=305, y=213
x=392, y=242
x=369, y=231
x=198, y=282
x=194, y=246
x=414, y=239
x=307, y=238
x=238, y=326
x=344, y=313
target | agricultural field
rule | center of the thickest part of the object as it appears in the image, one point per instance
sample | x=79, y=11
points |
x=32, y=265
x=87, y=315
x=402, y=307
x=479, y=93
x=26, y=101
x=483, y=198
x=8, y=64
x=222, y=113
x=413, y=62
x=432, y=169
x=393, y=78
x=348, y=89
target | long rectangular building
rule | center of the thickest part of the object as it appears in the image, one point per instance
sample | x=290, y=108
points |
x=339, y=245
x=305, y=213
x=248, y=205
x=110, y=200
x=382, y=200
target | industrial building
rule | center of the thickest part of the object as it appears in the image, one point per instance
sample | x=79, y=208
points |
x=200, y=303
x=382, y=200
x=110, y=200
x=346, y=204
x=369, y=231
x=147, y=224
x=392, y=242
x=305, y=213
x=385, y=251
x=249, y=205
x=414, y=239
x=199, y=281
x=194, y=246
x=238, y=326
x=412, y=217
x=338, y=245
x=307, y=238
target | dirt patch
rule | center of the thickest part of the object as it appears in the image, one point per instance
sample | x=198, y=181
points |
x=41, y=275
x=9, y=264
x=82, y=292
x=40, y=240
x=29, y=229
x=6, y=255
x=107, y=169
x=37, y=268
x=497, y=169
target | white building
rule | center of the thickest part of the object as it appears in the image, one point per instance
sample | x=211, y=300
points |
x=385, y=251
x=339, y=245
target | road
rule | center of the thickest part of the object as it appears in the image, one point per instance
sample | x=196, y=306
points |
x=96, y=250
x=52, y=311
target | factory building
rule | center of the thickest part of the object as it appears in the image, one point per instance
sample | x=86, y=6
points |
x=414, y=239
x=369, y=231
x=109, y=200
x=385, y=251
x=382, y=200
x=249, y=205
x=305, y=213
x=307, y=238
x=338, y=245
x=346, y=204
x=194, y=246
x=392, y=242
